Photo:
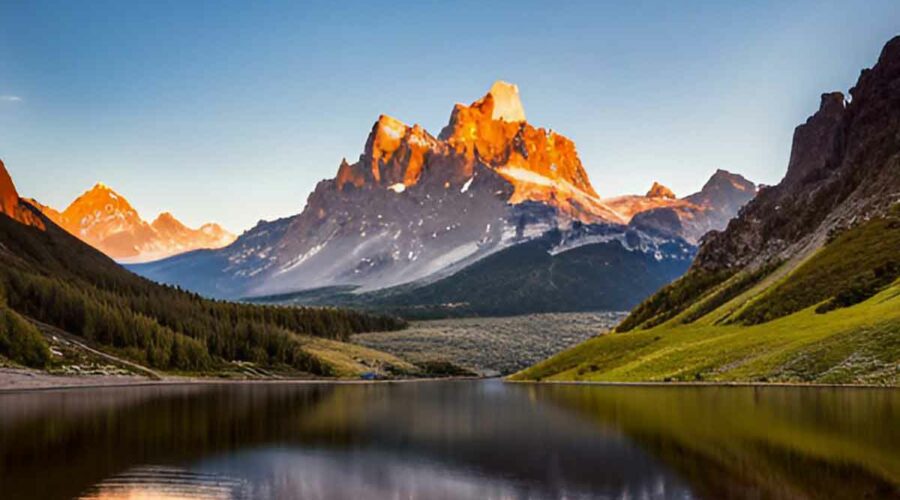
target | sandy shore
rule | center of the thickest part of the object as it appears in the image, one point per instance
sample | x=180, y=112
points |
x=19, y=379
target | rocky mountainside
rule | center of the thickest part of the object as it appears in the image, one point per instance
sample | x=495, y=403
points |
x=826, y=235
x=415, y=207
x=106, y=220
x=844, y=169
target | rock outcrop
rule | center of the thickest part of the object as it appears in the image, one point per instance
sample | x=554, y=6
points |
x=10, y=203
x=844, y=169
x=660, y=191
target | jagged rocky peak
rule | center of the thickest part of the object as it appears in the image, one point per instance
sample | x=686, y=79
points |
x=842, y=170
x=660, y=191
x=814, y=140
x=9, y=197
x=491, y=133
x=166, y=220
x=507, y=105
x=725, y=189
x=99, y=197
x=104, y=219
x=11, y=205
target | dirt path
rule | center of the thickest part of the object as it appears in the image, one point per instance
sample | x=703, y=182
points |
x=52, y=331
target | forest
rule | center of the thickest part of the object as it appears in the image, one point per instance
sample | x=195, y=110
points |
x=53, y=278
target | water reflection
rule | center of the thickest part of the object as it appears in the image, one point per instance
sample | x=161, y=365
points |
x=447, y=440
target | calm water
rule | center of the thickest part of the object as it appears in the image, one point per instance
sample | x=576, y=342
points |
x=436, y=440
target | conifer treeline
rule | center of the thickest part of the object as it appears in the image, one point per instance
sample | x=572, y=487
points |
x=54, y=278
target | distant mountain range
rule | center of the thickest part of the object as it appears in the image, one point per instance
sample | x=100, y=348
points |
x=105, y=220
x=416, y=209
x=803, y=285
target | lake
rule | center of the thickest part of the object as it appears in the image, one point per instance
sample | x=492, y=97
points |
x=453, y=439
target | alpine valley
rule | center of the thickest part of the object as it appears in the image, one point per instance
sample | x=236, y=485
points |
x=492, y=216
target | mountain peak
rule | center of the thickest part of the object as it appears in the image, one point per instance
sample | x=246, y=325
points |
x=166, y=220
x=507, y=105
x=100, y=191
x=9, y=197
x=106, y=220
x=660, y=191
x=11, y=205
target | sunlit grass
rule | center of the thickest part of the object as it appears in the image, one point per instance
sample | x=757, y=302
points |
x=859, y=344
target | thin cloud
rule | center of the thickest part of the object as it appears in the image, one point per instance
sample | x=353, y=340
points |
x=10, y=98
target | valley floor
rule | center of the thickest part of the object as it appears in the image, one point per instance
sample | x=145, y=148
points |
x=490, y=346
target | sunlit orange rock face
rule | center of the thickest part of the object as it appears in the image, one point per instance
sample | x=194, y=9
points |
x=105, y=220
x=11, y=205
x=660, y=191
x=541, y=165
x=9, y=197
x=658, y=196
x=691, y=217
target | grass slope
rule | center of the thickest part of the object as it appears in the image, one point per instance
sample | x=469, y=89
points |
x=835, y=318
x=859, y=344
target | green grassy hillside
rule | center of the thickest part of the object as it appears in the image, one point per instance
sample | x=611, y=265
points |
x=834, y=318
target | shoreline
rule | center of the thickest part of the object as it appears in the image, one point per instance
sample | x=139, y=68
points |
x=10, y=378
x=700, y=384
x=15, y=381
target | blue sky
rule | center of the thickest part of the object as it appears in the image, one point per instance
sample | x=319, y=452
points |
x=231, y=111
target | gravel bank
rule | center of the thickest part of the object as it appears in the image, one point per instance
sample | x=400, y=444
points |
x=491, y=346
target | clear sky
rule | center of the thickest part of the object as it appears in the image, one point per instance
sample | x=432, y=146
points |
x=231, y=111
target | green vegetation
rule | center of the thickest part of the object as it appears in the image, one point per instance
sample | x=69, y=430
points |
x=835, y=318
x=850, y=269
x=673, y=299
x=733, y=287
x=21, y=342
x=859, y=344
x=53, y=278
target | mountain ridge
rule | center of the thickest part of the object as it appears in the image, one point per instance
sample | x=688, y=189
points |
x=417, y=207
x=106, y=220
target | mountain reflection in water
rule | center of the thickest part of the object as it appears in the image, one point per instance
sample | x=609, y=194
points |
x=435, y=440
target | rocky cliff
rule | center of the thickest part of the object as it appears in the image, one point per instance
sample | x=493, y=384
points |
x=11, y=205
x=844, y=169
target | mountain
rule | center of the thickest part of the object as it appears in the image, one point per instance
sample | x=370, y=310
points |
x=802, y=285
x=590, y=268
x=9, y=201
x=105, y=220
x=690, y=217
x=415, y=209
x=53, y=284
